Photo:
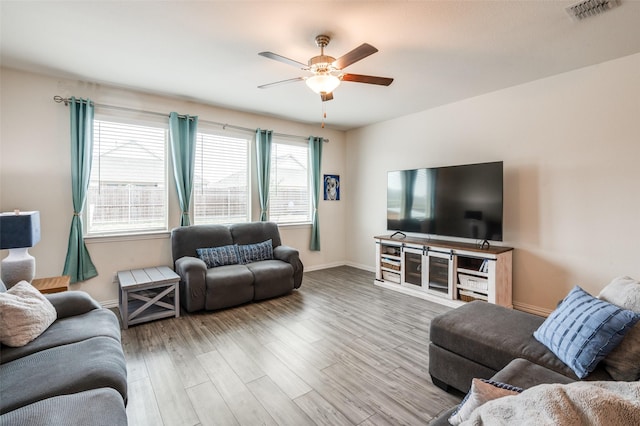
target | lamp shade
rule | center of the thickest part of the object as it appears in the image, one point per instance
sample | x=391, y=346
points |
x=19, y=230
x=323, y=83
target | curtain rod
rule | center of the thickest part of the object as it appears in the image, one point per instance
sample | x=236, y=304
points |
x=60, y=99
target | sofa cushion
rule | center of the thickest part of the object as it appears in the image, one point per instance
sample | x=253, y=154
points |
x=185, y=240
x=253, y=232
x=96, y=407
x=228, y=285
x=256, y=252
x=76, y=367
x=24, y=314
x=68, y=330
x=583, y=330
x=525, y=374
x=272, y=278
x=623, y=363
x=71, y=303
x=219, y=256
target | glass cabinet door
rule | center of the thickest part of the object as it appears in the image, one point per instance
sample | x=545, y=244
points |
x=440, y=273
x=413, y=267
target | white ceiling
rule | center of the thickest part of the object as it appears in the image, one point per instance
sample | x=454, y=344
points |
x=437, y=51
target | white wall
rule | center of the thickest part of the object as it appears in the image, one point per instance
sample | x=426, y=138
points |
x=571, y=151
x=570, y=144
x=35, y=175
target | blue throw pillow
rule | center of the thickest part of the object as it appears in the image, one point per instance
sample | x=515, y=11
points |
x=219, y=256
x=583, y=330
x=256, y=252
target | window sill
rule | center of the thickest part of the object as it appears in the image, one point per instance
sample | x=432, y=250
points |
x=294, y=225
x=111, y=238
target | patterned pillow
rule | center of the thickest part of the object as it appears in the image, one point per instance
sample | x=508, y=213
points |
x=219, y=256
x=256, y=252
x=481, y=391
x=583, y=330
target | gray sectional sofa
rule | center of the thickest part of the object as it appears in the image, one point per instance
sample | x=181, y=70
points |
x=479, y=339
x=483, y=340
x=236, y=281
x=72, y=374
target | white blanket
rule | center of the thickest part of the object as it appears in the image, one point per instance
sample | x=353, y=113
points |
x=579, y=403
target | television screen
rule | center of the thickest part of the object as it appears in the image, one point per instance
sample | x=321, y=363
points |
x=456, y=201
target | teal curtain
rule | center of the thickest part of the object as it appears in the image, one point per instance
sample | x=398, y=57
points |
x=263, y=154
x=182, y=139
x=78, y=264
x=315, y=160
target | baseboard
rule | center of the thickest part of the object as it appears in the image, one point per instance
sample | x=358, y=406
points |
x=323, y=266
x=336, y=264
x=361, y=266
x=531, y=309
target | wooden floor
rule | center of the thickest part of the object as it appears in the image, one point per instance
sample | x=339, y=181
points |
x=338, y=351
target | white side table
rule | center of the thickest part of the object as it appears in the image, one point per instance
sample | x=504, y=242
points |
x=148, y=294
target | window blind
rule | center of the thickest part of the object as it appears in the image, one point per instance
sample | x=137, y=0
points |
x=289, y=196
x=221, y=179
x=127, y=187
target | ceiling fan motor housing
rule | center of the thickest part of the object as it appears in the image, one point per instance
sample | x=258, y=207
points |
x=322, y=64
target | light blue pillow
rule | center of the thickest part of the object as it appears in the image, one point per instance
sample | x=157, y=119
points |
x=583, y=330
x=256, y=252
x=219, y=256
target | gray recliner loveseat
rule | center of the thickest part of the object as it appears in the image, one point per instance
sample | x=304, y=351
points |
x=237, y=280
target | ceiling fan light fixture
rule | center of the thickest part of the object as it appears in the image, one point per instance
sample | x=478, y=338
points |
x=323, y=83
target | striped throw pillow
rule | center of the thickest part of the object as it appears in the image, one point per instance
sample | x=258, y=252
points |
x=256, y=252
x=219, y=256
x=583, y=330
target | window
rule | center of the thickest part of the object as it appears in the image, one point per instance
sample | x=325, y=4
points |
x=289, y=196
x=127, y=188
x=221, y=179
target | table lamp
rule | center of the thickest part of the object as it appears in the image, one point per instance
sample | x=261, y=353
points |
x=18, y=232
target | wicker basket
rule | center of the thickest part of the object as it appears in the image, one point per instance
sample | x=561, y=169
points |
x=390, y=266
x=469, y=296
x=473, y=282
x=391, y=277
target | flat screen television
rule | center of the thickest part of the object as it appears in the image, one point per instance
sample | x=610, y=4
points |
x=462, y=201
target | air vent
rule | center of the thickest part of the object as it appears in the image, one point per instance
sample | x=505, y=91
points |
x=587, y=8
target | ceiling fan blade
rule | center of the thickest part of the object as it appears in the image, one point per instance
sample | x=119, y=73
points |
x=277, y=83
x=326, y=96
x=355, y=55
x=369, y=79
x=281, y=58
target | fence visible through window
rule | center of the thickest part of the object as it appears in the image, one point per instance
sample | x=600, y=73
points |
x=127, y=189
x=221, y=179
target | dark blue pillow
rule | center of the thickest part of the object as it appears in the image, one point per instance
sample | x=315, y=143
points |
x=583, y=330
x=219, y=256
x=256, y=252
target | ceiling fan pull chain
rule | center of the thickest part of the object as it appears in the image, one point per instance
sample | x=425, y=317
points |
x=324, y=115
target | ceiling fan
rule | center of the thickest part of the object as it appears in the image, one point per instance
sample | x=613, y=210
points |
x=326, y=71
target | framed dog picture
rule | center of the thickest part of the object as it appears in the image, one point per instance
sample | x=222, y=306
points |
x=332, y=187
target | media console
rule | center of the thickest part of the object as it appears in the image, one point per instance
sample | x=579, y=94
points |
x=445, y=272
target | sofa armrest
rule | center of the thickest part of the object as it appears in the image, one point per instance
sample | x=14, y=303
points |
x=72, y=303
x=193, y=287
x=286, y=254
x=292, y=257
